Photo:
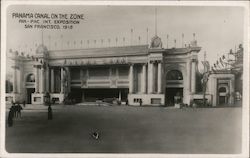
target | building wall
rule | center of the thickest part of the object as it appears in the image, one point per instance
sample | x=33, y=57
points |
x=218, y=80
x=143, y=72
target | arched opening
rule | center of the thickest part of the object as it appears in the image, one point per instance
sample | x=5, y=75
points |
x=30, y=79
x=174, y=75
x=174, y=87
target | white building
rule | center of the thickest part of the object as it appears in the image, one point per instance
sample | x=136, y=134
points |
x=151, y=74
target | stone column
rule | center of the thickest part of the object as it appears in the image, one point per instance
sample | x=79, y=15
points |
x=43, y=80
x=52, y=84
x=47, y=79
x=144, y=77
x=150, y=77
x=193, y=77
x=14, y=79
x=159, y=86
x=62, y=80
x=231, y=91
x=187, y=84
x=119, y=96
x=188, y=76
x=69, y=80
x=131, y=78
x=37, y=80
x=83, y=96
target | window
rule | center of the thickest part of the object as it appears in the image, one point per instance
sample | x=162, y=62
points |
x=137, y=100
x=222, y=90
x=30, y=78
x=174, y=75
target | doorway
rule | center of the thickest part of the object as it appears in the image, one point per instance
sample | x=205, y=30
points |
x=170, y=95
x=223, y=99
x=29, y=93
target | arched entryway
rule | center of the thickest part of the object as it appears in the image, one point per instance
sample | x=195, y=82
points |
x=29, y=82
x=174, y=87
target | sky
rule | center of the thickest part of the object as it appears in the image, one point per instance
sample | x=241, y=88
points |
x=217, y=29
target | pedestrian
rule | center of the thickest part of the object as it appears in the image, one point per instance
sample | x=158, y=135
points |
x=140, y=102
x=10, y=117
x=19, y=108
x=14, y=109
x=50, y=115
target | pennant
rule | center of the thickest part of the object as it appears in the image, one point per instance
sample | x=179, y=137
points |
x=223, y=57
x=221, y=62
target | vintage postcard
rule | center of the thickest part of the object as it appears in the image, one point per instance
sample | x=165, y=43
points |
x=127, y=79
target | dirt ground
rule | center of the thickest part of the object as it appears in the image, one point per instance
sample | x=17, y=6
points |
x=126, y=129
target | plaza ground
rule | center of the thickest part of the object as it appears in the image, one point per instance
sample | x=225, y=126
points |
x=126, y=129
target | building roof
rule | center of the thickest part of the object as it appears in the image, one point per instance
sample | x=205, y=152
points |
x=136, y=50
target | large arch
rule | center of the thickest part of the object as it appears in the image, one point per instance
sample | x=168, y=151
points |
x=175, y=75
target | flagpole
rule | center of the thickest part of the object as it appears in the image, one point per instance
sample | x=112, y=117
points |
x=182, y=40
x=147, y=36
x=155, y=21
x=204, y=80
x=131, y=37
x=167, y=41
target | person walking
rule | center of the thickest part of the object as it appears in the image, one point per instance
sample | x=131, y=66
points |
x=140, y=102
x=50, y=115
x=10, y=117
x=19, y=108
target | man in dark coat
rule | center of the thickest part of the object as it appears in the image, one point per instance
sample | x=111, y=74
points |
x=19, y=108
x=10, y=117
x=50, y=115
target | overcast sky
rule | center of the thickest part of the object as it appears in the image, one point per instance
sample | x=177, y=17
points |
x=217, y=29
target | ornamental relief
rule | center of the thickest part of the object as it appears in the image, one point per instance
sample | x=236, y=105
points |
x=89, y=61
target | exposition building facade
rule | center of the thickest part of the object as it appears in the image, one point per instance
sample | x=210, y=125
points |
x=150, y=75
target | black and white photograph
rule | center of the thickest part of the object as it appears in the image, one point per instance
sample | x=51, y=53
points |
x=138, y=79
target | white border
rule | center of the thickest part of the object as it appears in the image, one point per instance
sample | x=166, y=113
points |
x=245, y=106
